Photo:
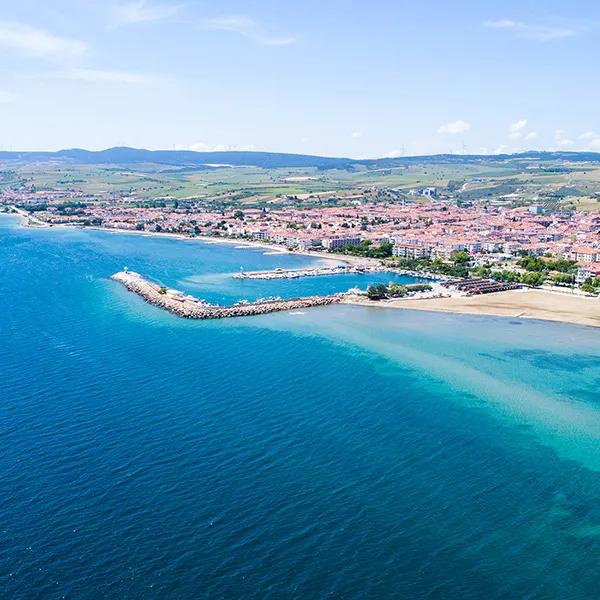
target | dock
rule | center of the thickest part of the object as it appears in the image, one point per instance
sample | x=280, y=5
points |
x=310, y=272
x=189, y=307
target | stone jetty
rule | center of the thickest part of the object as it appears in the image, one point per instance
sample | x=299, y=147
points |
x=192, y=308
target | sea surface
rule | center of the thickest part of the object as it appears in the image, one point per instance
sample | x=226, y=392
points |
x=338, y=452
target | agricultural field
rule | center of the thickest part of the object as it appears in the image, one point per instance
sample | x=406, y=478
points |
x=554, y=183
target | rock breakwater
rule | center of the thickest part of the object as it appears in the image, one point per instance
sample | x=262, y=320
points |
x=192, y=308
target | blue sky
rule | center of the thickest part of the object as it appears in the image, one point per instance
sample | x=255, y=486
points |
x=329, y=77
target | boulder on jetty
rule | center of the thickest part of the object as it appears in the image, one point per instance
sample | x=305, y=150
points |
x=193, y=308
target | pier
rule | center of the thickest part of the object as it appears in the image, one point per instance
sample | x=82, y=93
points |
x=189, y=307
x=311, y=272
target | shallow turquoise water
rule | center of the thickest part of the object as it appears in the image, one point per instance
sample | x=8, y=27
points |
x=343, y=452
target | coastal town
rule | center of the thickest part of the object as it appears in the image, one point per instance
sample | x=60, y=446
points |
x=492, y=241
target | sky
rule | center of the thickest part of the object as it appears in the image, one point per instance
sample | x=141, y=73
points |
x=328, y=77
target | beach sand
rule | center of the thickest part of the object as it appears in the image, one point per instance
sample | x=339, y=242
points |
x=530, y=304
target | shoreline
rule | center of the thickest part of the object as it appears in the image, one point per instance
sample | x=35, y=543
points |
x=207, y=239
x=523, y=304
x=527, y=304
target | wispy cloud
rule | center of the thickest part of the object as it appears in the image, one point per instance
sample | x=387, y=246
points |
x=591, y=139
x=530, y=31
x=38, y=43
x=7, y=97
x=561, y=139
x=502, y=149
x=395, y=153
x=143, y=12
x=517, y=126
x=356, y=135
x=249, y=29
x=106, y=76
x=454, y=127
x=203, y=147
x=515, y=129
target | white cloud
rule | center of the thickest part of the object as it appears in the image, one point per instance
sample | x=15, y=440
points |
x=517, y=126
x=104, y=76
x=356, y=135
x=566, y=143
x=540, y=33
x=249, y=29
x=515, y=130
x=561, y=140
x=203, y=147
x=143, y=12
x=37, y=43
x=455, y=127
x=395, y=153
x=7, y=97
x=532, y=135
x=502, y=149
x=591, y=138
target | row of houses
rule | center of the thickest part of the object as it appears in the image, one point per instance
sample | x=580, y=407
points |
x=307, y=243
x=418, y=250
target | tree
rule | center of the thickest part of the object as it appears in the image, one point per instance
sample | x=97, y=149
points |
x=532, y=263
x=461, y=257
x=395, y=290
x=384, y=251
x=506, y=276
x=588, y=288
x=564, y=266
x=419, y=287
x=377, y=291
x=533, y=278
x=563, y=278
x=482, y=272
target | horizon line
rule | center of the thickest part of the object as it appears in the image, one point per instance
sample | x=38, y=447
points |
x=289, y=153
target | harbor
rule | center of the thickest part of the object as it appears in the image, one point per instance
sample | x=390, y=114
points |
x=190, y=307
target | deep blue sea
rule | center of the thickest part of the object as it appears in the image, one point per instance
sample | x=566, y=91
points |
x=338, y=452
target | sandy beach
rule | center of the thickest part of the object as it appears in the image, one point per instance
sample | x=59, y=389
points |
x=528, y=304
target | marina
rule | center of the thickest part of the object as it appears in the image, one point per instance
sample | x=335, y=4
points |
x=311, y=272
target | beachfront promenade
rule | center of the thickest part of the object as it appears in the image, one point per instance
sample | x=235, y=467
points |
x=192, y=308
